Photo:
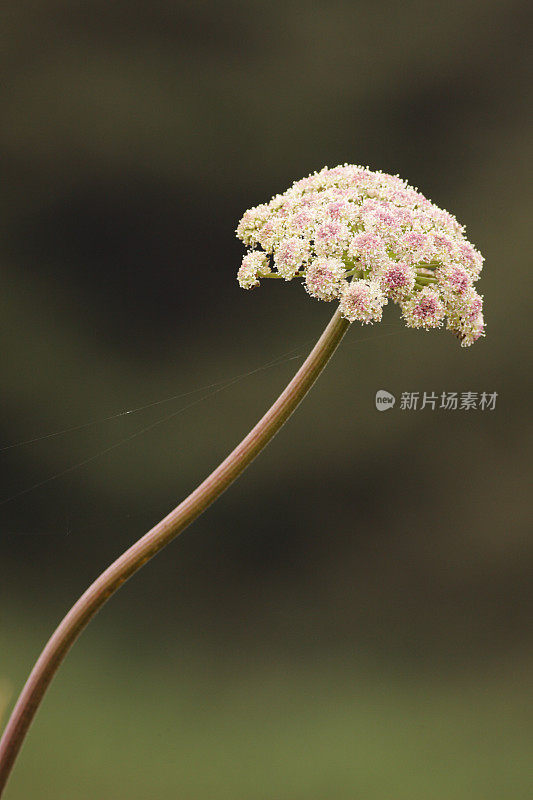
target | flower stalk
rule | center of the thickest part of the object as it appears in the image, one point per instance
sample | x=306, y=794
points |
x=356, y=236
x=156, y=539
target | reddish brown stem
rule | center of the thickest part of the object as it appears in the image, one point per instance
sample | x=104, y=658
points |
x=152, y=542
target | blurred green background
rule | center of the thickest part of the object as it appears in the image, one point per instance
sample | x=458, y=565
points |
x=353, y=618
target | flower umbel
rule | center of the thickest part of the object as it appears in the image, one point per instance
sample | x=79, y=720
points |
x=365, y=238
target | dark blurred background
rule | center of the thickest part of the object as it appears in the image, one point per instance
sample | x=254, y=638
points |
x=353, y=618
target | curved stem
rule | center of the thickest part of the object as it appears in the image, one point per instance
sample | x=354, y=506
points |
x=152, y=542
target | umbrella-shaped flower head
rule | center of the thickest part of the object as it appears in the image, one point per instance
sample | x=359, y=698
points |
x=364, y=238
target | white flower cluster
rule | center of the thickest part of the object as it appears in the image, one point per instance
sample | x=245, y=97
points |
x=365, y=238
